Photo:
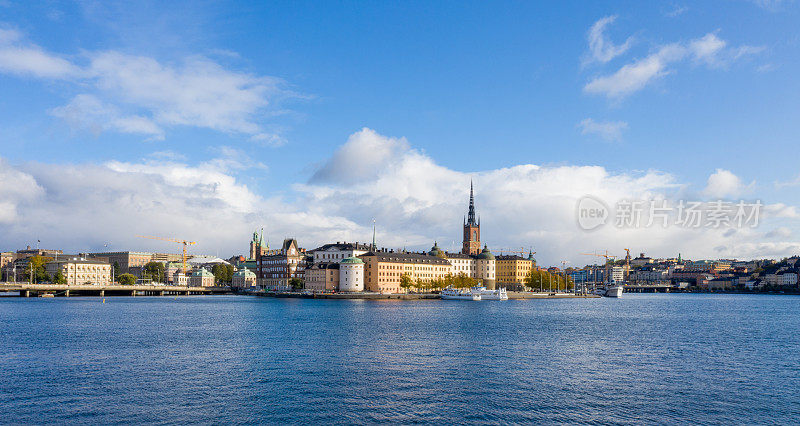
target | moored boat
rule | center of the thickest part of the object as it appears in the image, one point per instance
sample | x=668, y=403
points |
x=460, y=294
x=499, y=294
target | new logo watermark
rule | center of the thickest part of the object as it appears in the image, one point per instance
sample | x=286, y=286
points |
x=592, y=213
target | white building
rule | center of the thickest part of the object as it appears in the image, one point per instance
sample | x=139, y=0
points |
x=80, y=271
x=338, y=251
x=351, y=274
x=618, y=273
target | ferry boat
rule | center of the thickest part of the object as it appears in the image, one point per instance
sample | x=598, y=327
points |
x=457, y=294
x=499, y=294
x=613, y=291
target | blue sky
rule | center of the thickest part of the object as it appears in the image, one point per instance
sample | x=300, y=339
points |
x=475, y=87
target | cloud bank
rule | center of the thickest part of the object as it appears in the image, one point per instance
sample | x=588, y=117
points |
x=413, y=199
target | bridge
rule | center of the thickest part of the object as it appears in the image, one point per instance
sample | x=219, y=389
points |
x=651, y=288
x=66, y=290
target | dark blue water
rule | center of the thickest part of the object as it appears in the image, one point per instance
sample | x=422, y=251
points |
x=640, y=359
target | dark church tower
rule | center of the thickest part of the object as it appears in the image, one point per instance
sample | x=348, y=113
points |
x=472, y=229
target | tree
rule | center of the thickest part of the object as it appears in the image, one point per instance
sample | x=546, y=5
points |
x=223, y=272
x=59, y=277
x=296, y=283
x=116, y=268
x=126, y=279
x=406, y=282
x=37, y=265
x=154, y=271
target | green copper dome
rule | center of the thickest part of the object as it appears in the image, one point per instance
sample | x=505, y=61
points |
x=486, y=254
x=352, y=260
x=436, y=251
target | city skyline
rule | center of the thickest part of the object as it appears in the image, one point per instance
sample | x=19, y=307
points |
x=121, y=120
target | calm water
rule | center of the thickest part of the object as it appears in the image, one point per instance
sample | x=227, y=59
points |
x=639, y=359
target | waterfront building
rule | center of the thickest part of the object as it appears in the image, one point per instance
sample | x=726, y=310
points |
x=30, y=252
x=351, y=274
x=201, y=278
x=79, y=271
x=125, y=260
x=512, y=270
x=383, y=269
x=243, y=278
x=6, y=258
x=471, y=244
x=617, y=273
x=322, y=276
x=338, y=251
x=276, y=270
x=179, y=278
x=257, y=247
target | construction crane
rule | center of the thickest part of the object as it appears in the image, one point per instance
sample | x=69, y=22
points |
x=184, y=242
x=520, y=252
x=609, y=258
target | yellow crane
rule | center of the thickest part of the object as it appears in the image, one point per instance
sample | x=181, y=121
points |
x=609, y=258
x=184, y=242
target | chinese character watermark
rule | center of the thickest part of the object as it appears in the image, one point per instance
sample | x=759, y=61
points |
x=592, y=213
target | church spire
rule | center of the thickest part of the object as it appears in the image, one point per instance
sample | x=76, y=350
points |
x=471, y=215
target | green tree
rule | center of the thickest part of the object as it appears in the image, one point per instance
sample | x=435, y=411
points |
x=37, y=266
x=406, y=282
x=223, y=272
x=296, y=283
x=154, y=271
x=116, y=268
x=126, y=279
x=59, y=277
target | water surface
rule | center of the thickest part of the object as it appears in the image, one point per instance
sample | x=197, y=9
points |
x=715, y=359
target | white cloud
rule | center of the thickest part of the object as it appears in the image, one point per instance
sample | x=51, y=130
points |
x=27, y=59
x=142, y=95
x=677, y=11
x=724, y=184
x=414, y=200
x=364, y=156
x=90, y=113
x=601, y=48
x=635, y=76
x=608, y=130
x=771, y=5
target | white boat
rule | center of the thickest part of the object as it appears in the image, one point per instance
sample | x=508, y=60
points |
x=457, y=294
x=613, y=291
x=499, y=294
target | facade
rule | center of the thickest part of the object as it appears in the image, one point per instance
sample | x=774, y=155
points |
x=179, y=278
x=471, y=244
x=383, y=269
x=243, y=278
x=512, y=270
x=351, y=274
x=6, y=258
x=125, y=260
x=275, y=271
x=80, y=271
x=201, y=278
x=617, y=273
x=339, y=251
x=322, y=276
